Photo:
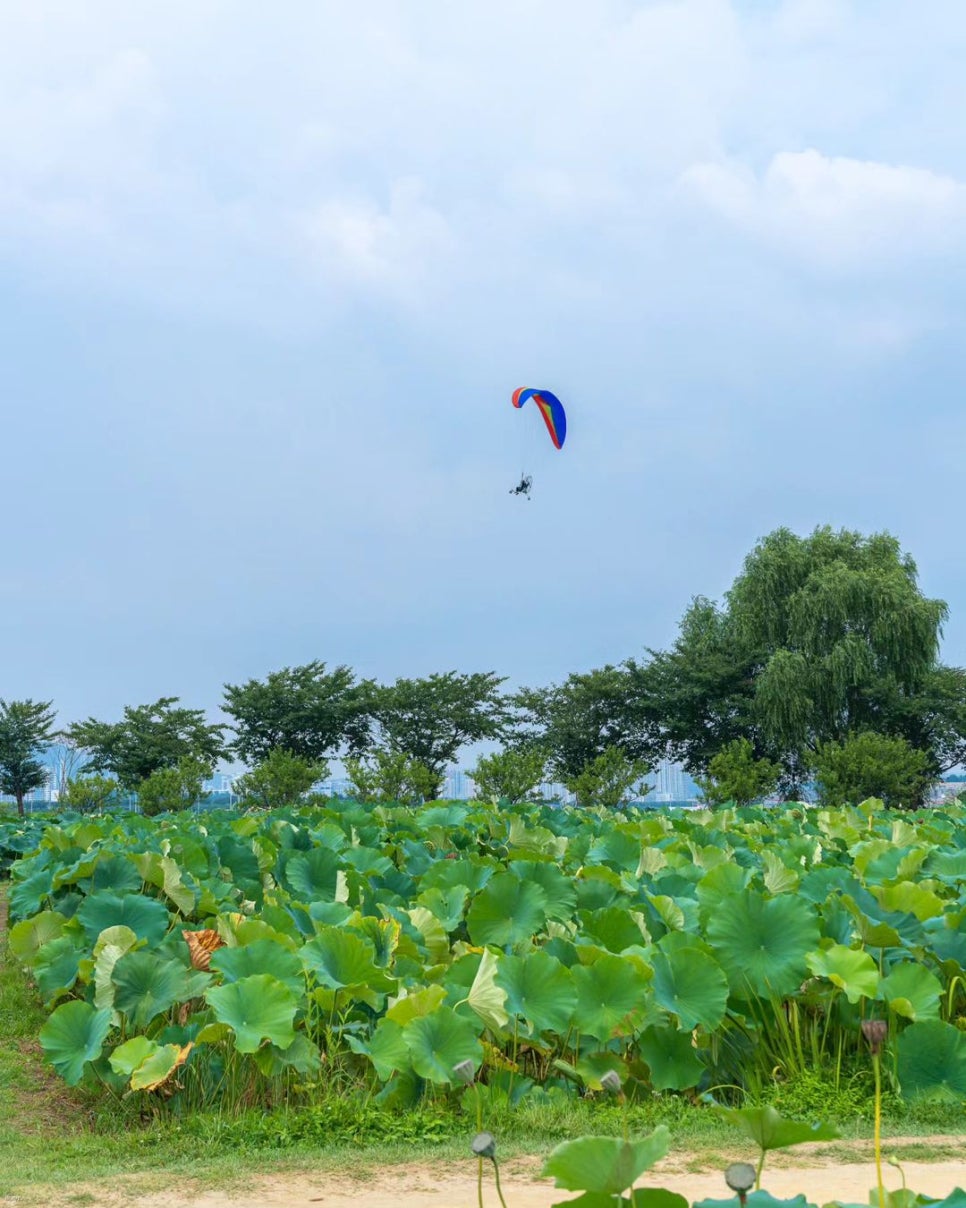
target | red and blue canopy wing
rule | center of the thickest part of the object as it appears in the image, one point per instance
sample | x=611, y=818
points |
x=551, y=408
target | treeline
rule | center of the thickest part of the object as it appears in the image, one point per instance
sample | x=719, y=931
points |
x=821, y=664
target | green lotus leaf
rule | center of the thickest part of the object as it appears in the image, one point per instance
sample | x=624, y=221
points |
x=670, y=912
x=257, y=1008
x=416, y=1003
x=606, y=1165
x=261, y=956
x=313, y=875
x=26, y=939
x=770, y=1130
x=779, y=878
x=539, y=990
x=241, y=862
x=301, y=1057
x=446, y=904
x=432, y=934
x=761, y=943
x=145, y=987
x=612, y=997
x=157, y=1068
x=386, y=1049
x=909, y=898
x=27, y=896
x=932, y=1062
x=508, y=911
x=691, y=985
x=55, y=968
x=671, y=1059
x=116, y=873
x=762, y=1199
x=164, y=874
x=556, y=885
x=619, y=849
x=147, y=917
x=912, y=991
x=338, y=959
x=439, y=1041
x=485, y=996
x=467, y=874
x=128, y=1056
x=614, y=928
x=111, y=945
x=72, y=1036
x=850, y=969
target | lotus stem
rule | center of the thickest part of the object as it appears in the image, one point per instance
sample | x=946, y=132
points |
x=496, y=1175
x=878, y=1129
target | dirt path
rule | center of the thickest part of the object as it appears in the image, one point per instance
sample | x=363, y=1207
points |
x=823, y=1175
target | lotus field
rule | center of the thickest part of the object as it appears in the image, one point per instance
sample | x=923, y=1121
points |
x=230, y=960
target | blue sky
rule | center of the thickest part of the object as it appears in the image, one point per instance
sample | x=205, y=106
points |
x=268, y=279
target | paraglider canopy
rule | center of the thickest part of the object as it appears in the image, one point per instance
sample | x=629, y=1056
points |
x=551, y=408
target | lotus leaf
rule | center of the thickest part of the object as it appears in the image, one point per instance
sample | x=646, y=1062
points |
x=257, y=1008
x=72, y=1036
x=932, y=1062
x=671, y=1058
x=606, y=1165
x=339, y=959
x=439, y=1041
x=850, y=969
x=508, y=911
x=912, y=991
x=261, y=956
x=691, y=985
x=145, y=987
x=761, y=943
x=540, y=990
x=612, y=997
x=147, y=917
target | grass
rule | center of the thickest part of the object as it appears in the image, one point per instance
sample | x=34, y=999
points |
x=52, y=1136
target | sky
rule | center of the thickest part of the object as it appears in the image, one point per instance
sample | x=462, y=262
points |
x=269, y=275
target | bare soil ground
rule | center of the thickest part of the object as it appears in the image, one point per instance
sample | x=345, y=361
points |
x=844, y=1172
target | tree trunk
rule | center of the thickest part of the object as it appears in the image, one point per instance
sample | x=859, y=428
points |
x=19, y=796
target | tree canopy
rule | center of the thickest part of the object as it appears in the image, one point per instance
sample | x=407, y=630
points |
x=431, y=719
x=148, y=739
x=820, y=637
x=308, y=711
x=26, y=730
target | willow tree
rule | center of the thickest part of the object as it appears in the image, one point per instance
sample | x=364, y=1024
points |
x=819, y=637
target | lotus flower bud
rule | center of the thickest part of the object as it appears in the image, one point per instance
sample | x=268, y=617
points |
x=875, y=1031
x=484, y=1145
x=740, y=1177
x=465, y=1072
x=611, y=1082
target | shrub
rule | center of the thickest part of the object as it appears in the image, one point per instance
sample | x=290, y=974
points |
x=510, y=775
x=280, y=779
x=392, y=776
x=610, y=780
x=734, y=774
x=89, y=794
x=172, y=789
x=872, y=765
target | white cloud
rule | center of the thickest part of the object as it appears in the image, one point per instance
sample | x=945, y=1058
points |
x=840, y=212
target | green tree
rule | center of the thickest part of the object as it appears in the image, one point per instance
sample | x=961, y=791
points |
x=391, y=776
x=281, y=779
x=89, y=794
x=26, y=731
x=305, y=710
x=610, y=779
x=148, y=739
x=169, y=790
x=431, y=719
x=819, y=637
x=734, y=774
x=871, y=765
x=510, y=775
x=578, y=720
